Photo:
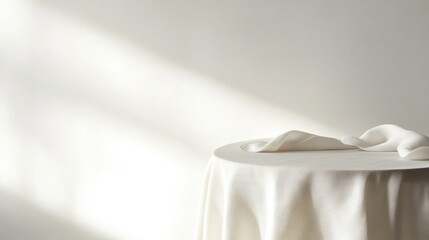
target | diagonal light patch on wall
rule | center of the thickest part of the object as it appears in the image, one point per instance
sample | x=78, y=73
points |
x=108, y=133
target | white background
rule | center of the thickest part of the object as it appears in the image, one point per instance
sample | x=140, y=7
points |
x=110, y=109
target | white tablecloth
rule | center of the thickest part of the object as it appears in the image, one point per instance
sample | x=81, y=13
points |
x=321, y=195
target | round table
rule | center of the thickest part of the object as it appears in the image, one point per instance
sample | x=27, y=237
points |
x=320, y=195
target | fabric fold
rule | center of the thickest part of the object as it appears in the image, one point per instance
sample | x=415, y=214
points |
x=383, y=138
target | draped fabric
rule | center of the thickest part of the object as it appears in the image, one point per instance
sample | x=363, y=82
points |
x=383, y=138
x=314, y=195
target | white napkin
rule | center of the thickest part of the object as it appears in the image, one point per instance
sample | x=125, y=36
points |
x=383, y=138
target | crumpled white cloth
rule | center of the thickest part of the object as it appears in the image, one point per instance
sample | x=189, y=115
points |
x=382, y=138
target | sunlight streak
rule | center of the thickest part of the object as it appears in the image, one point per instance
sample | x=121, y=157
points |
x=109, y=134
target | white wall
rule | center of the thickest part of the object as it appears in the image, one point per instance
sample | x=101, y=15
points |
x=110, y=109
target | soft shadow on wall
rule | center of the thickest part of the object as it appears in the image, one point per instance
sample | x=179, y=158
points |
x=20, y=219
x=111, y=108
x=104, y=132
x=348, y=64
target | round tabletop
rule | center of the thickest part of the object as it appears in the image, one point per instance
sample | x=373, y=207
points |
x=337, y=160
x=313, y=195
